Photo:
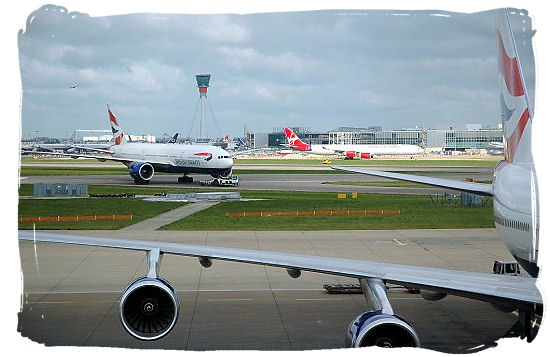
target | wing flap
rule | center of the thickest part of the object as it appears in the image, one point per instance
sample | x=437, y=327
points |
x=472, y=187
x=517, y=291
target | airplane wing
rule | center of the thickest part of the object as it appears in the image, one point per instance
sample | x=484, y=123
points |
x=123, y=160
x=91, y=149
x=233, y=154
x=483, y=189
x=517, y=291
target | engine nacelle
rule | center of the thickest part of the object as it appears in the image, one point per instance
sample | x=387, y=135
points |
x=141, y=171
x=365, y=155
x=149, y=308
x=432, y=295
x=374, y=328
x=350, y=154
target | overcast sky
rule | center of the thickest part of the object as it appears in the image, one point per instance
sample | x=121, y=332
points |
x=320, y=70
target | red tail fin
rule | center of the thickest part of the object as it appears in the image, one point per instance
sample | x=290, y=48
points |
x=115, y=127
x=514, y=104
x=295, y=142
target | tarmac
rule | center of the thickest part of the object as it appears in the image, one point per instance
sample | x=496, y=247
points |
x=285, y=182
x=70, y=293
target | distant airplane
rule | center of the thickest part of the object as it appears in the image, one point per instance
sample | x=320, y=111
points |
x=149, y=306
x=241, y=143
x=173, y=139
x=143, y=159
x=68, y=147
x=361, y=151
x=72, y=87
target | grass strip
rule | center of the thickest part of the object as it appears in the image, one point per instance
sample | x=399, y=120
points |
x=138, y=208
x=417, y=211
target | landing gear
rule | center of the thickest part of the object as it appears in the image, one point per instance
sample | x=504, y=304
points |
x=185, y=179
x=526, y=327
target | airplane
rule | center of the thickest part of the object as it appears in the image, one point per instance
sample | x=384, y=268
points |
x=149, y=307
x=241, y=144
x=172, y=139
x=143, y=159
x=363, y=151
x=68, y=147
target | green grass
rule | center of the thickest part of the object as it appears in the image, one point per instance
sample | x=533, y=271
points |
x=385, y=183
x=416, y=212
x=376, y=183
x=90, y=206
x=27, y=189
x=71, y=171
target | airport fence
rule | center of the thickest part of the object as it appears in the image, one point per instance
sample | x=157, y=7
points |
x=112, y=217
x=311, y=213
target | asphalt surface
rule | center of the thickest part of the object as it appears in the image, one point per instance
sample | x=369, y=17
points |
x=295, y=182
x=70, y=293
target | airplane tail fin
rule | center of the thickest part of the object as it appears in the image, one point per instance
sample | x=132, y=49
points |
x=294, y=141
x=174, y=139
x=226, y=139
x=241, y=143
x=516, y=112
x=115, y=127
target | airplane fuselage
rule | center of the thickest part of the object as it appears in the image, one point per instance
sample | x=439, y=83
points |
x=179, y=158
x=377, y=149
x=516, y=212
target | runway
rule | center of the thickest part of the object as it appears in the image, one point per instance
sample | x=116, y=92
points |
x=295, y=182
x=71, y=292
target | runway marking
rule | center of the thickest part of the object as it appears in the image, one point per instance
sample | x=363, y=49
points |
x=398, y=242
x=229, y=299
x=318, y=299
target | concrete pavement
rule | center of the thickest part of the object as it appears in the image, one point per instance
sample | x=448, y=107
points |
x=165, y=218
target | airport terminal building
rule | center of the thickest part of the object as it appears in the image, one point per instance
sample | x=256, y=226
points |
x=472, y=137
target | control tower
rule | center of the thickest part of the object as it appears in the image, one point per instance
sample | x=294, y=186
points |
x=203, y=106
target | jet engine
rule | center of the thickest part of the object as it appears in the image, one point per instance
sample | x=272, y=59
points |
x=149, y=308
x=375, y=328
x=141, y=172
x=350, y=155
x=432, y=295
x=365, y=155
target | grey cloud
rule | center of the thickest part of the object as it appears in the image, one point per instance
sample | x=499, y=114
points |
x=320, y=69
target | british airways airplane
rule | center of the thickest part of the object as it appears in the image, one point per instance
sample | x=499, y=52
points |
x=149, y=307
x=144, y=159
